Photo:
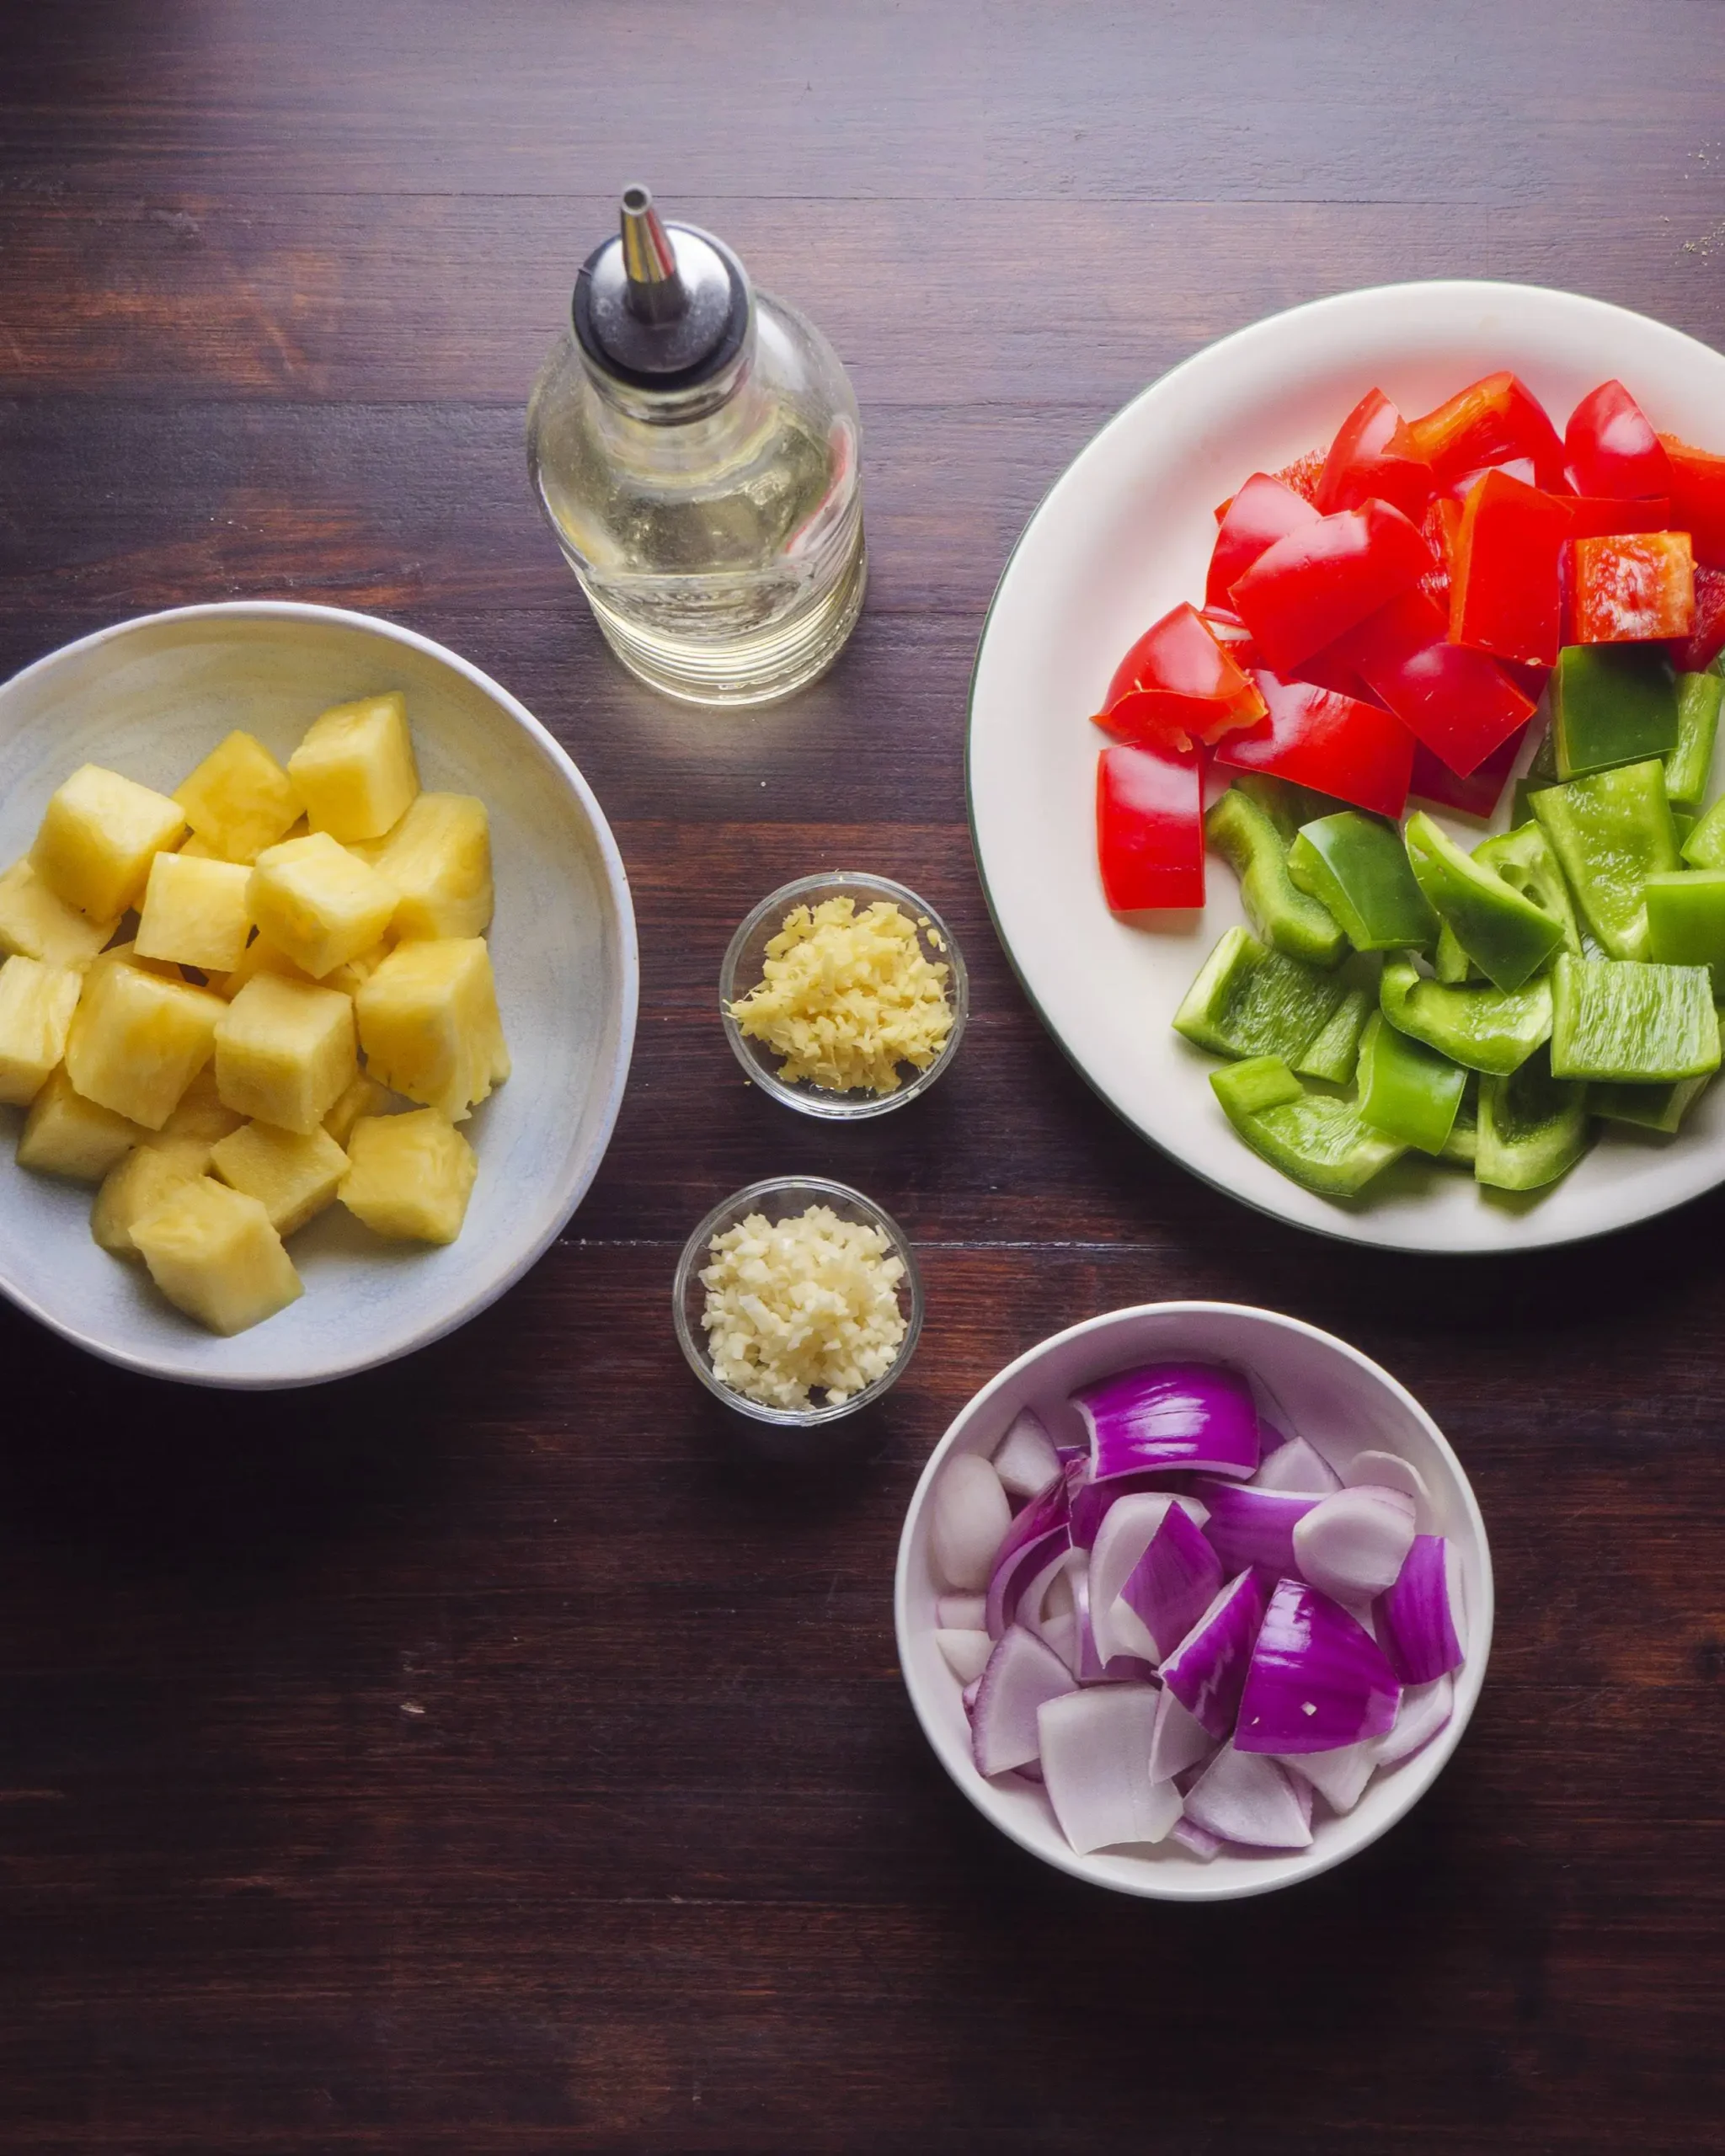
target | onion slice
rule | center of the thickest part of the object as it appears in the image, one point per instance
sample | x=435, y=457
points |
x=1415, y=1619
x=968, y=1519
x=1425, y=1710
x=1088, y=1666
x=966, y=1653
x=1317, y=1680
x=1170, y=1415
x=1180, y=1739
x=962, y=1613
x=1297, y=1466
x=1388, y=1470
x=1041, y=1531
x=1128, y=1529
x=1095, y=1752
x=1250, y=1524
x=1025, y=1459
x=1196, y=1841
x=1169, y=1588
x=1339, y=1777
x=1351, y=1545
x=1207, y=1669
x=1245, y=1797
x=1022, y=1673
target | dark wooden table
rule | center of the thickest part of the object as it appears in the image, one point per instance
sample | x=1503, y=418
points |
x=481, y=1755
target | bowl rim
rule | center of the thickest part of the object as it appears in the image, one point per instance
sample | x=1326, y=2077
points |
x=617, y=884
x=842, y=1108
x=1200, y=1883
x=795, y=1418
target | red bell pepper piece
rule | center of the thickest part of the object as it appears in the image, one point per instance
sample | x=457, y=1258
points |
x=1633, y=587
x=1597, y=516
x=1443, y=522
x=1454, y=701
x=1477, y=794
x=1303, y=474
x=1263, y=512
x=1176, y=686
x=1313, y=586
x=1148, y=829
x=1516, y=468
x=1489, y=422
x=1611, y=447
x=1706, y=640
x=1335, y=745
x=1506, y=594
x=1698, y=498
x=1372, y=457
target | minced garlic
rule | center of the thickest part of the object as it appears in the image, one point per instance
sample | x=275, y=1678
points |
x=802, y=1304
x=848, y=997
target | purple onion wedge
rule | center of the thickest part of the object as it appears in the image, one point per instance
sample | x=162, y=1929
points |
x=1298, y=1466
x=1174, y=1582
x=1207, y=1669
x=1339, y=1777
x=1250, y=1524
x=1415, y=1620
x=1425, y=1710
x=1352, y=1545
x=1317, y=1680
x=1022, y=1673
x=1025, y=1459
x=1179, y=1741
x=1163, y=1415
x=1040, y=1532
x=1245, y=1797
x=1095, y=1752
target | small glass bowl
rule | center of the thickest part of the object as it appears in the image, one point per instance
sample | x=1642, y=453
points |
x=780, y=1198
x=744, y=964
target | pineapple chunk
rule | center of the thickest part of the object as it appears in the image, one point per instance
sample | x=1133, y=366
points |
x=349, y=978
x=319, y=902
x=285, y=1052
x=439, y=858
x=213, y=1253
x=197, y=849
x=97, y=838
x=138, y=1183
x=194, y=913
x=355, y=769
x=260, y=955
x=36, y=1004
x=126, y=954
x=363, y=1096
x=139, y=1040
x=293, y=1177
x=238, y=800
x=202, y=1113
x=429, y=1024
x=410, y=1176
x=65, y=1134
x=34, y=924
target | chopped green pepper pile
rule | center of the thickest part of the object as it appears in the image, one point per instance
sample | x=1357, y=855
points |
x=1487, y=1009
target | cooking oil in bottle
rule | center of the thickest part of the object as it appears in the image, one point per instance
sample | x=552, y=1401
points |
x=694, y=443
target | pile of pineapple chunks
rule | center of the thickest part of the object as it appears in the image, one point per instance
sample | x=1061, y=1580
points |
x=206, y=1073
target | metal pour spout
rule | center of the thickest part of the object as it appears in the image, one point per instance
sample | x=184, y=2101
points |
x=655, y=289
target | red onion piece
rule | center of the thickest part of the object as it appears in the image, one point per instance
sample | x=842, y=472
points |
x=1095, y=1753
x=1093, y=1502
x=966, y=1653
x=1250, y=1524
x=1039, y=1532
x=1351, y=1545
x=1170, y=1415
x=1088, y=1666
x=1179, y=1740
x=1168, y=1589
x=1245, y=1797
x=968, y=1519
x=1339, y=1777
x=1425, y=1710
x=1025, y=1459
x=962, y=1613
x=968, y=1696
x=1297, y=1466
x=1127, y=1531
x=1414, y=1619
x=1207, y=1669
x=1317, y=1680
x=1196, y=1841
x=1388, y=1470
x=1022, y=1673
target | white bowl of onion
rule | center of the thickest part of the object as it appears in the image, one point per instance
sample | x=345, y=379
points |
x=1206, y=1592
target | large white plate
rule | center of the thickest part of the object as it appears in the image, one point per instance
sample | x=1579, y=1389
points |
x=1125, y=534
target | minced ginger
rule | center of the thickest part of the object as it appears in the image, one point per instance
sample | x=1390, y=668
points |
x=848, y=997
x=800, y=1304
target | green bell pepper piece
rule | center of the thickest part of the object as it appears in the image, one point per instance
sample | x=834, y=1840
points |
x=1485, y=1028
x=1687, y=920
x=1249, y=1000
x=1287, y=805
x=1317, y=1139
x=1358, y=866
x=1690, y=765
x=1611, y=1019
x=1461, y=1147
x=1649, y=1108
x=1704, y=845
x=1333, y=1055
x=1450, y=962
x=1611, y=704
x=1407, y=1090
x=1506, y=935
x=1541, y=771
x=1532, y=1128
x=1610, y=832
x=1524, y=860
x=1283, y=916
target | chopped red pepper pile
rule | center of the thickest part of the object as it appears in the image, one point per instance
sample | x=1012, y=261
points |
x=1380, y=618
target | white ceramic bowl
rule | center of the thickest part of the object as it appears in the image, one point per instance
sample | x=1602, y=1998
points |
x=151, y=697
x=1124, y=533
x=1327, y=1392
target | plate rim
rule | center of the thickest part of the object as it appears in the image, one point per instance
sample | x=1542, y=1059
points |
x=617, y=880
x=1340, y=1225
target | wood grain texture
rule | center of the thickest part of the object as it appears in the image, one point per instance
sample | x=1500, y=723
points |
x=489, y=1754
